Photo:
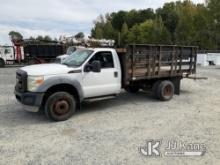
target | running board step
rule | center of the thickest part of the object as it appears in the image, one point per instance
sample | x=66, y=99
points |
x=93, y=99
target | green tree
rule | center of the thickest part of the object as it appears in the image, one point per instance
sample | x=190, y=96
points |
x=214, y=7
x=146, y=14
x=204, y=32
x=151, y=31
x=170, y=17
x=180, y=22
x=160, y=34
x=15, y=35
x=185, y=30
x=134, y=35
x=98, y=30
x=138, y=16
x=98, y=33
x=108, y=31
x=118, y=19
x=40, y=38
x=131, y=18
x=214, y=11
x=47, y=38
x=124, y=35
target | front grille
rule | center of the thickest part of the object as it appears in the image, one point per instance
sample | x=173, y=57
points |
x=21, y=78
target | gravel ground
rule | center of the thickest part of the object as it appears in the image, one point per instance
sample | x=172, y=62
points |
x=111, y=131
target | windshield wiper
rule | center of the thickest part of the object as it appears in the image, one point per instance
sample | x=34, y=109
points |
x=70, y=65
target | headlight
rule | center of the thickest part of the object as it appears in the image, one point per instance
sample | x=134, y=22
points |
x=34, y=82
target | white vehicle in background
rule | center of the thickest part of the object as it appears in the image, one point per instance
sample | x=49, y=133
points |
x=10, y=55
x=206, y=59
x=60, y=59
x=85, y=43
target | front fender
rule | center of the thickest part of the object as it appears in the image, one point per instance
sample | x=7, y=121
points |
x=53, y=81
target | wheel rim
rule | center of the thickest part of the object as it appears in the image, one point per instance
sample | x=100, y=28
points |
x=61, y=107
x=168, y=91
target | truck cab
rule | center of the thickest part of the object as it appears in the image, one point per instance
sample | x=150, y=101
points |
x=60, y=88
x=11, y=54
x=6, y=55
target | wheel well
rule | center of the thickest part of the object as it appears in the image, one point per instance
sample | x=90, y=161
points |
x=62, y=88
x=148, y=84
x=175, y=80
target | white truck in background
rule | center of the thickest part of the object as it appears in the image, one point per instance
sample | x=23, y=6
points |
x=60, y=59
x=35, y=52
x=30, y=53
x=10, y=55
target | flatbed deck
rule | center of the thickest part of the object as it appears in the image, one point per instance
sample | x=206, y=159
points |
x=140, y=62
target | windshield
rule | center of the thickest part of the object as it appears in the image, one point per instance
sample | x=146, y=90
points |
x=77, y=58
x=70, y=50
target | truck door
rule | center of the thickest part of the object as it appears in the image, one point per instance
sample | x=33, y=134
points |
x=106, y=82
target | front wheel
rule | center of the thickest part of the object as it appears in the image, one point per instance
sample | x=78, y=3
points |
x=60, y=106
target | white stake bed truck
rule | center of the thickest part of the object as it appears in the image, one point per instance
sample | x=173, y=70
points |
x=90, y=73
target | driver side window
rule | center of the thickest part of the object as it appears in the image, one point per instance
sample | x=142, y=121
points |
x=7, y=51
x=105, y=59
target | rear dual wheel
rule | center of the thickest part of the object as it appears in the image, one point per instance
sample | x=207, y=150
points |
x=163, y=90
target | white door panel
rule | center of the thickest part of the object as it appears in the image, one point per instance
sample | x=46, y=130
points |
x=9, y=53
x=108, y=81
x=100, y=84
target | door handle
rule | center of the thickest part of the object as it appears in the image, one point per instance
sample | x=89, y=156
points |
x=115, y=74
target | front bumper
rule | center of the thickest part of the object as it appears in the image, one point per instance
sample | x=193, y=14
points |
x=30, y=108
x=30, y=101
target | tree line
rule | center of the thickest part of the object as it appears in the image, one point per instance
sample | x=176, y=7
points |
x=14, y=35
x=183, y=23
x=17, y=36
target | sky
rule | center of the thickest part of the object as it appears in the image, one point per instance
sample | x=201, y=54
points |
x=61, y=17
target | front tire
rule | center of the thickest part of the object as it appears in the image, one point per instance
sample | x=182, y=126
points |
x=2, y=63
x=60, y=106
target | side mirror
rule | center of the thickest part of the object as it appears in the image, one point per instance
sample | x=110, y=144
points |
x=94, y=67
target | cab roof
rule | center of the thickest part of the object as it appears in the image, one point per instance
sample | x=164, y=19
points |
x=100, y=49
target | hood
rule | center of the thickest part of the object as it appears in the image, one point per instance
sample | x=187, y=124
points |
x=47, y=69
